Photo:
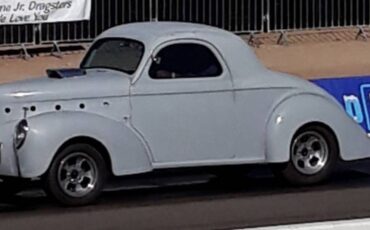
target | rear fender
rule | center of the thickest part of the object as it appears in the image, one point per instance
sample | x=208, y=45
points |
x=297, y=110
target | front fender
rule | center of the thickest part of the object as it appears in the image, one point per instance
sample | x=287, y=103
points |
x=297, y=110
x=127, y=152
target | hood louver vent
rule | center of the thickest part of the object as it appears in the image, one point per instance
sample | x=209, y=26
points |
x=65, y=73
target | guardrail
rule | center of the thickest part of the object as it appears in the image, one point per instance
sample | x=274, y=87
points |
x=239, y=16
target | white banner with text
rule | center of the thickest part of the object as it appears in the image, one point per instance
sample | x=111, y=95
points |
x=43, y=11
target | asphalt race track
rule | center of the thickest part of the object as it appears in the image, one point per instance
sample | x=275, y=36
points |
x=258, y=200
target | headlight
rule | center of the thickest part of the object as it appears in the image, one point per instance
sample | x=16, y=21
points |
x=20, y=134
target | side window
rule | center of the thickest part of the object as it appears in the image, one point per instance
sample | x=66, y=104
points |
x=185, y=61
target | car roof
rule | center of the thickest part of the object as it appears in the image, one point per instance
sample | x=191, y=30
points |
x=240, y=57
x=146, y=31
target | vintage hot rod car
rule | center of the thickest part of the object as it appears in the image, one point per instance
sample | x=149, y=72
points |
x=160, y=95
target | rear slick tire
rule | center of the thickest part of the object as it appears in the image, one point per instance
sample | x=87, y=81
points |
x=313, y=157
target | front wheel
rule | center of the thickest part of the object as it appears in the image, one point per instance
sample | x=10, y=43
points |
x=77, y=175
x=313, y=155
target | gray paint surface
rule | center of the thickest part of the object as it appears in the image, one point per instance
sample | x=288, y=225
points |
x=247, y=115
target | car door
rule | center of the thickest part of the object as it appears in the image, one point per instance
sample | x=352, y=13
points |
x=182, y=103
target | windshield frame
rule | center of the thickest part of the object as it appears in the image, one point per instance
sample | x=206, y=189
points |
x=99, y=42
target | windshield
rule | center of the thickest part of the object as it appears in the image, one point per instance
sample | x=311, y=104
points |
x=114, y=53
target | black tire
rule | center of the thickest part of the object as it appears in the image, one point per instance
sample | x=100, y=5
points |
x=294, y=173
x=57, y=175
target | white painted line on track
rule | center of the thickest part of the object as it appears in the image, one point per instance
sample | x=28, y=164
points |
x=359, y=224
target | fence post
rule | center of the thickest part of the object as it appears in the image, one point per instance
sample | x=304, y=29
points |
x=361, y=34
x=151, y=10
x=153, y=5
x=24, y=53
x=37, y=33
x=266, y=17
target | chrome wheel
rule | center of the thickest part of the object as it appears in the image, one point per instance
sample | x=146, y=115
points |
x=77, y=174
x=309, y=152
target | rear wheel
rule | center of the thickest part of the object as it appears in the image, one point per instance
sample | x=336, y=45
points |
x=77, y=175
x=313, y=155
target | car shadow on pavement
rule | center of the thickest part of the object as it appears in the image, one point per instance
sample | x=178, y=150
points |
x=259, y=183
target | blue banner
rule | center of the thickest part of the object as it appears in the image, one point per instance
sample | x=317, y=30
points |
x=354, y=95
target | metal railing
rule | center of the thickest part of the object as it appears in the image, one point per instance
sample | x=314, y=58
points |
x=105, y=14
x=17, y=35
x=239, y=16
x=316, y=14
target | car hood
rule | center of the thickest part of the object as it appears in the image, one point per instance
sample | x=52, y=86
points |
x=94, y=84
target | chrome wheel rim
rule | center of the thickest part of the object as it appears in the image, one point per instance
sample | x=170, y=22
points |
x=310, y=152
x=77, y=174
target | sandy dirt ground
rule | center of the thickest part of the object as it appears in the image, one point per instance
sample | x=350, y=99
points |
x=309, y=55
x=319, y=60
x=317, y=54
x=12, y=69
